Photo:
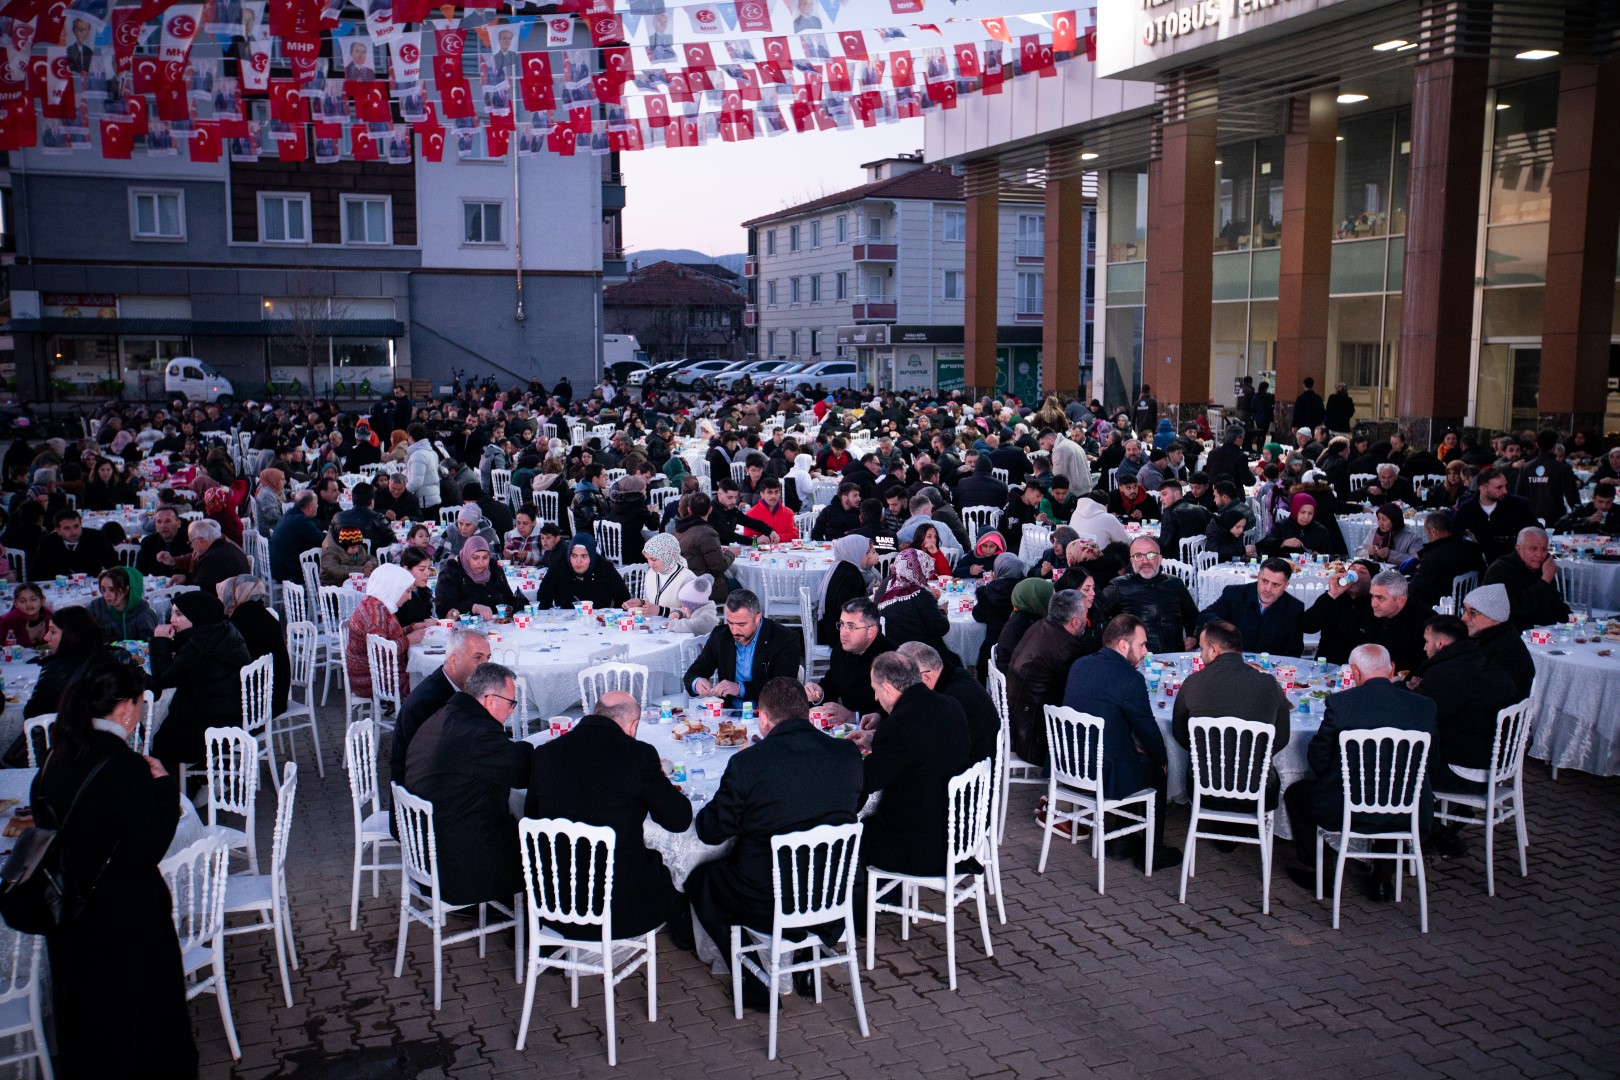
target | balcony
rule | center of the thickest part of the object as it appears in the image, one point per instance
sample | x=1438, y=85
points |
x=874, y=309
x=872, y=252
x=1030, y=250
x=750, y=267
x=612, y=196
x=750, y=316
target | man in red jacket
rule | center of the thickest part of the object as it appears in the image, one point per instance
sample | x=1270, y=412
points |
x=773, y=520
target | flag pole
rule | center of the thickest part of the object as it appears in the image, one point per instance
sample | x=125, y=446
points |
x=517, y=229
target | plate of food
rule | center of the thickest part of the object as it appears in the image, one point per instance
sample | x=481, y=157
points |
x=731, y=736
x=686, y=727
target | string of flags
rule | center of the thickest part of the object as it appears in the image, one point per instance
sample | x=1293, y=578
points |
x=305, y=79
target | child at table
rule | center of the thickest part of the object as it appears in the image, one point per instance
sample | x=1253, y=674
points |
x=695, y=612
x=28, y=618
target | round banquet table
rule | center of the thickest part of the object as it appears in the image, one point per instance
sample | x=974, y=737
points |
x=1212, y=580
x=22, y=675
x=1573, y=728
x=160, y=596
x=1171, y=669
x=1355, y=528
x=1599, y=580
x=128, y=517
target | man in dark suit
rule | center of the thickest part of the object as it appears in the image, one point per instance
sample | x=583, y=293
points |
x=795, y=778
x=466, y=651
x=1309, y=409
x=463, y=763
x=958, y=684
x=846, y=690
x=1229, y=687
x=744, y=654
x=71, y=549
x=167, y=538
x=1263, y=611
x=916, y=749
x=1106, y=684
x=1442, y=560
x=599, y=774
x=1318, y=799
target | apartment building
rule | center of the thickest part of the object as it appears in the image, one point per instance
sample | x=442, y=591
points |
x=877, y=273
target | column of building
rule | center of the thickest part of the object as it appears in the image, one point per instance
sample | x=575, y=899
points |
x=983, y=191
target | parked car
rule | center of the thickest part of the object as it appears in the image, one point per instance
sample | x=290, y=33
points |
x=753, y=369
x=196, y=380
x=688, y=375
x=662, y=369
x=829, y=374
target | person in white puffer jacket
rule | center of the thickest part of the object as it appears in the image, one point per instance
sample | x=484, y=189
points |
x=1092, y=519
x=422, y=469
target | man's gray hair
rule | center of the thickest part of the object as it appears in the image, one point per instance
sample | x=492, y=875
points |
x=896, y=669
x=622, y=712
x=461, y=637
x=1234, y=433
x=1370, y=659
x=488, y=678
x=1532, y=532
x=204, y=529
x=1389, y=466
x=923, y=655
x=920, y=504
x=1065, y=605
x=744, y=600
x=305, y=500
x=1393, y=582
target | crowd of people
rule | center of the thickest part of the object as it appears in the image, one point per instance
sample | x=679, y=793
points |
x=1066, y=626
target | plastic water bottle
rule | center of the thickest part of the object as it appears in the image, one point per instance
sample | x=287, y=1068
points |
x=748, y=712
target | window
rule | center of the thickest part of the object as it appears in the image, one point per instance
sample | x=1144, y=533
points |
x=1031, y=286
x=874, y=230
x=951, y=288
x=366, y=219
x=793, y=343
x=770, y=341
x=793, y=290
x=840, y=228
x=815, y=234
x=956, y=226
x=157, y=215
x=815, y=288
x=874, y=287
x=770, y=242
x=284, y=219
x=481, y=223
x=793, y=238
x=841, y=283
x=1031, y=236
x=815, y=343
x=770, y=293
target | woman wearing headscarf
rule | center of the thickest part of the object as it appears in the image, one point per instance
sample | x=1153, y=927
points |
x=386, y=589
x=910, y=610
x=992, y=605
x=1077, y=553
x=627, y=505
x=343, y=552
x=1393, y=541
x=219, y=505
x=244, y=600
x=1224, y=535
x=472, y=583
x=121, y=609
x=989, y=547
x=801, y=478
x=1030, y=599
x=846, y=580
x=1300, y=533
x=200, y=655
x=695, y=612
x=667, y=574
x=585, y=576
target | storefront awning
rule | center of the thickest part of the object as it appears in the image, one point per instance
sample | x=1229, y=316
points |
x=370, y=328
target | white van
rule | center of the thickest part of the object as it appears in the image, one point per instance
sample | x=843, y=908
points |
x=195, y=380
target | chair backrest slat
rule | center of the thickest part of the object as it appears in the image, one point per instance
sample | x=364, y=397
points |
x=553, y=847
x=1075, y=743
x=820, y=868
x=1231, y=757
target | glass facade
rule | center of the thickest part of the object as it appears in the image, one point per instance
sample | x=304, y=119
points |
x=1125, y=315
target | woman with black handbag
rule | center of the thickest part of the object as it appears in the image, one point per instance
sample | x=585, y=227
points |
x=118, y=989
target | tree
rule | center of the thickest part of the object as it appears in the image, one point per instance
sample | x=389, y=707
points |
x=312, y=315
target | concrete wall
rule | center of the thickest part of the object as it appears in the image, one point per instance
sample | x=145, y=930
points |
x=559, y=336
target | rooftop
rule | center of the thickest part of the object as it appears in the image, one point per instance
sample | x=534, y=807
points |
x=931, y=183
x=667, y=284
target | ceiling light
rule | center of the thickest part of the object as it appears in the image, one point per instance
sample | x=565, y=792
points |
x=1338, y=138
x=1500, y=105
x=1388, y=46
x=1351, y=99
x=1537, y=54
x=1409, y=45
x=1218, y=161
x=1089, y=155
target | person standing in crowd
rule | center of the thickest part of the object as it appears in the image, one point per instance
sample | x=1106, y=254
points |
x=1493, y=517
x=1309, y=410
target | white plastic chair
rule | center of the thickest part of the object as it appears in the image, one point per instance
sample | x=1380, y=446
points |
x=370, y=824
x=382, y=657
x=609, y=541
x=1011, y=769
x=232, y=757
x=500, y=484
x=310, y=563
x=1231, y=760
x=1461, y=586
x=37, y=738
x=1388, y=780
x=977, y=519
x=739, y=471
x=141, y=740
x=127, y=553
x=300, y=712
x=992, y=866
x=967, y=810
x=1185, y=571
x=568, y=880
x=779, y=593
x=635, y=578
x=598, y=680
x=295, y=602
x=816, y=657
x=820, y=866
x=265, y=895
x=549, y=505
x=334, y=605
x=18, y=558
x=1359, y=482
x=370, y=471
x=1001, y=474
x=614, y=475
x=22, y=1013
x=1075, y=742
x=197, y=881
x=1189, y=548
x=354, y=707
x=1503, y=800
x=419, y=894
x=258, y=703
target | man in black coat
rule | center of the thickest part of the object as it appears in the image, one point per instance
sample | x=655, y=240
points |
x=840, y=517
x=1488, y=614
x=1339, y=411
x=599, y=774
x=1179, y=519
x=1159, y=599
x=980, y=489
x=1598, y=516
x=1228, y=461
x=957, y=683
x=1443, y=559
x=1227, y=686
x=1308, y=407
x=1263, y=611
x=168, y=537
x=1548, y=484
x=362, y=516
x=1318, y=800
x=1493, y=517
x=1468, y=691
x=394, y=502
x=846, y=690
x=466, y=650
x=1344, y=616
x=916, y=750
x=1529, y=573
x=743, y=655
x=71, y=549
x=795, y=778
x=463, y=763
x=1397, y=622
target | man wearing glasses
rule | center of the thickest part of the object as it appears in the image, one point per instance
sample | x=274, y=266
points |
x=462, y=761
x=1159, y=600
x=845, y=692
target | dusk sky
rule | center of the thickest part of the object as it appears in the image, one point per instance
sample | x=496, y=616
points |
x=697, y=198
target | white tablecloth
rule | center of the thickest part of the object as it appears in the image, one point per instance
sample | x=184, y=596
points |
x=1599, y=581
x=806, y=566
x=1219, y=576
x=160, y=596
x=17, y=784
x=21, y=676
x=1576, y=724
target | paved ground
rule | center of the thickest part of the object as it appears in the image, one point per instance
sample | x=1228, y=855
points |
x=1131, y=984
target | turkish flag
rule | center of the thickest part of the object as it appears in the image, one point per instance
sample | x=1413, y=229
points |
x=854, y=44
x=776, y=51
x=561, y=141
x=138, y=114
x=286, y=103
x=117, y=139
x=295, y=148
x=362, y=145
x=432, y=143
x=900, y=68
x=328, y=131
x=446, y=70
x=1063, y=31
x=608, y=91
x=147, y=75
x=800, y=111
x=698, y=80
x=699, y=55
x=1047, y=59
x=172, y=102
x=993, y=75
x=497, y=140
x=657, y=110
x=944, y=93
x=410, y=11
x=536, y=65
x=1029, y=53
x=1091, y=43
x=753, y=16
x=50, y=22
x=997, y=29
x=838, y=75
x=457, y=100
x=967, y=61
x=680, y=91
x=205, y=142
x=539, y=94
x=748, y=83
x=371, y=103
x=606, y=30
x=617, y=63
x=501, y=121
x=770, y=71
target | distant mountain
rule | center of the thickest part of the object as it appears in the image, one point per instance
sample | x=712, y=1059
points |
x=648, y=256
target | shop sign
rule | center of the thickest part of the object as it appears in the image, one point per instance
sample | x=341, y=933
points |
x=61, y=305
x=1143, y=38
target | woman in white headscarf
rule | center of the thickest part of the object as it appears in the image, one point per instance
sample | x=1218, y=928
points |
x=386, y=589
x=667, y=575
x=844, y=582
x=800, y=475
